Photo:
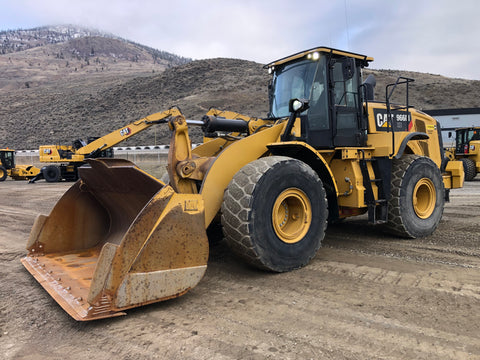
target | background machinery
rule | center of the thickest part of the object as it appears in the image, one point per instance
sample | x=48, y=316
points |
x=120, y=238
x=66, y=159
x=16, y=172
x=467, y=150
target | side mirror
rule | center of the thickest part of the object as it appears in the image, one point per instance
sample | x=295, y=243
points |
x=348, y=68
x=298, y=105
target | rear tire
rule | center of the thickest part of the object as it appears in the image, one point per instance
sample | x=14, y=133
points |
x=469, y=168
x=417, y=197
x=3, y=173
x=51, y=173
x=274, y=213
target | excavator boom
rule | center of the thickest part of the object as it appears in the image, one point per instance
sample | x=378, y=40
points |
x=67, y=159
x=119, y=135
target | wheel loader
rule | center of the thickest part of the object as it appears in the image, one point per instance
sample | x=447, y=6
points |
x=16, y=172
x=120, y=238
x=467, y=150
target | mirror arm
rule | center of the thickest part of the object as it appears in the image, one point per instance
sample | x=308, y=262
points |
x=293, y=115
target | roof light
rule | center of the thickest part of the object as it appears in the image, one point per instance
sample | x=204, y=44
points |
x=313, y=56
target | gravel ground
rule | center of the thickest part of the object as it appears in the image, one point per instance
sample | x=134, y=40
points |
x=366, y=295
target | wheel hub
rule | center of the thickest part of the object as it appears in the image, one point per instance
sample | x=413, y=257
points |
x=291, y=215
x=424, y=198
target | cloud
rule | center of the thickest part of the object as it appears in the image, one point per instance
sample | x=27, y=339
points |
x=436, y=36
x=432, y=36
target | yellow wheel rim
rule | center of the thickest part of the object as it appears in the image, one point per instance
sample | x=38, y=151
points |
x=2, y=173
x=424, y=198
x=292, y=215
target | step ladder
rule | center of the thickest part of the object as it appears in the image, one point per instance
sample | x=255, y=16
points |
x=377, y=208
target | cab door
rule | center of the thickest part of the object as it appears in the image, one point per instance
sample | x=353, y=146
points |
x=349, y=127
x=317, y=121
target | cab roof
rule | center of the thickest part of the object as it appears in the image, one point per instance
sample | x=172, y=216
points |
x=322, y=49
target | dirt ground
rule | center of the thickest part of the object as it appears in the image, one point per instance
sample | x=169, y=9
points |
x=366, y=295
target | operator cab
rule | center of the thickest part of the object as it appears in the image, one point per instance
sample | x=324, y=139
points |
x=464, y=136
x=7, y=158
x=331, y=80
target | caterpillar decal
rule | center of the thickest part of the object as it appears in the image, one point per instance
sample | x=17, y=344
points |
x=126, y=131
x=401, y=120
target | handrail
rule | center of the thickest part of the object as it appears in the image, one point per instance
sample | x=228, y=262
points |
x=390, y=120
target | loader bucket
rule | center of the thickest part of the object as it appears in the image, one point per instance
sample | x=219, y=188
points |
x=117, y=239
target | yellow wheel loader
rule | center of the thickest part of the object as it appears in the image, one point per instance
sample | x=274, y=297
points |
x=16, y=172
x=467, y=150
x=120, y=238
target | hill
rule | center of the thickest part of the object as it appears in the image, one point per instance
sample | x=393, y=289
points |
x=92, y=85
x=92, y=106
x=19, y=40
x=40, y=56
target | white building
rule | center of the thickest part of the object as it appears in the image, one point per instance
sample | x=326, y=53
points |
x=451, y=119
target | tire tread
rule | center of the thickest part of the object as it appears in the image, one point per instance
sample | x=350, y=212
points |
x=236, y=210
x=469, y=168
x=396, y=221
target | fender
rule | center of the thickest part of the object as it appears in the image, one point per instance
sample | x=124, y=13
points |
x=306, y=153
x=411, y=136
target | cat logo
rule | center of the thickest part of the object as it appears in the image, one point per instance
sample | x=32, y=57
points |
x=397, y=119
x=125, y=132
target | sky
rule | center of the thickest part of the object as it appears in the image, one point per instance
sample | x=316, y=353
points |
x=432, y=36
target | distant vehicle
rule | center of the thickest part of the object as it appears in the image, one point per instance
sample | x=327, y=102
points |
x=467, y=150
x=66, y=159
x=16, y=172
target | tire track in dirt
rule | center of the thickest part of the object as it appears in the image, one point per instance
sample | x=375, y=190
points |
x=363, y=329
x=455, y=245
x=9, y=210
x=427, y=281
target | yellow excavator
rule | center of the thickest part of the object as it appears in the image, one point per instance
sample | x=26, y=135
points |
x=120, y=238
x=16, y=172
x=65, y=160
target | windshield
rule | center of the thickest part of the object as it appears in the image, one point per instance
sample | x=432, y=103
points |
x=293, y=80
x=465, y=136
x=473, y=134
x=8, y=159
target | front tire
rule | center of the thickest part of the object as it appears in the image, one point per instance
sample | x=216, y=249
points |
x=417, y=197
x=274, y=213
